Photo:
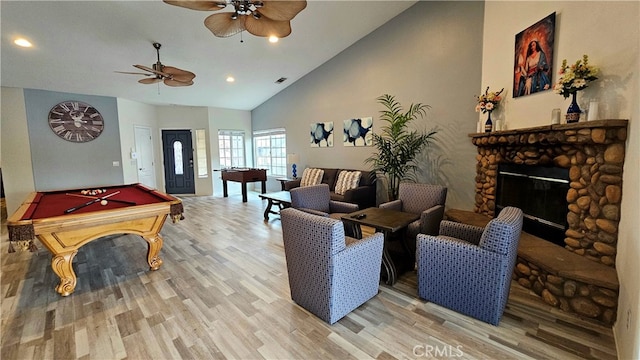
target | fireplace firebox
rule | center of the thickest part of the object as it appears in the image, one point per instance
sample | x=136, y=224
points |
x=540, y=191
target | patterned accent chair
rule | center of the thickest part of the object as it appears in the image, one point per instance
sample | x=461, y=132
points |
x=316, y=199
x=329, y=274
x=424, y=199
x=467, y=268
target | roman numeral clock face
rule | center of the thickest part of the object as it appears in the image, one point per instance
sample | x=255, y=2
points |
x=76, y=121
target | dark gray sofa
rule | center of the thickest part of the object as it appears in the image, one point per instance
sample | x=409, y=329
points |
x=364, y=195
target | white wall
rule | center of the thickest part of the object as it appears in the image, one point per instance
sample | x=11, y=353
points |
x=130, y=114
x=17, y=169
x=608, y=32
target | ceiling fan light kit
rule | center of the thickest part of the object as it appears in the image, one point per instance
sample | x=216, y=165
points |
x=261, y=18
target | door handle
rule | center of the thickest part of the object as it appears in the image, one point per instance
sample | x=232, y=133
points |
x=190, y=162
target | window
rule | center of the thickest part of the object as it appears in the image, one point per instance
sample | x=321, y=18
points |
x=177, y=157
x=271, y=151
x=231, y=146
x=201, y=153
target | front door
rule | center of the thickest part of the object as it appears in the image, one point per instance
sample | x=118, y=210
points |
x=178, y=161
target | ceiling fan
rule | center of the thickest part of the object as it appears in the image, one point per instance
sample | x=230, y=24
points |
x=172, y=76
x=259, y=17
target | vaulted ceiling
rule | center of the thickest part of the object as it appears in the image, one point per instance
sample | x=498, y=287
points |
x=79, y=46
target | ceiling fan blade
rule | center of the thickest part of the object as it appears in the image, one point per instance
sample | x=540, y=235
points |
x=132, y=73
x=175, y=83
x=222, y=25
x=179, y=75
x=266, y=27
x=198, y=5
x=148, y=81
x=153, y=71
x=281, y=10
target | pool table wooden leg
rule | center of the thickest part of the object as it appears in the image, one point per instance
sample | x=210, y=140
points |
x=155, y=244
x=62, y=266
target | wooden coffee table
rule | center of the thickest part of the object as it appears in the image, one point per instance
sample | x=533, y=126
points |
x=385, y=221
x=281, y=199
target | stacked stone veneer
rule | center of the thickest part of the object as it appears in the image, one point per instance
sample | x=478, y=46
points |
x=594, y=154
x=570, y=295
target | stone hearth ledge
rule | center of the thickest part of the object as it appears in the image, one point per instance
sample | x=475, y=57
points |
x=548, y=256
x=560, y=277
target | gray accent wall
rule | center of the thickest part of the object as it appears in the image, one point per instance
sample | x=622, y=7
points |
x=60, y=164
x=432, y=54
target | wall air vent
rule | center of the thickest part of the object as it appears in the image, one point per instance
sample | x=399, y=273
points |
x=281, y=80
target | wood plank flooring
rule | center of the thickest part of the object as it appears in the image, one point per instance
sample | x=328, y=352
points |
x=223, y=293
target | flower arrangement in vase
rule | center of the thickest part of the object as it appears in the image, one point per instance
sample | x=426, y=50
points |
x=487, y=103
x=573, y=79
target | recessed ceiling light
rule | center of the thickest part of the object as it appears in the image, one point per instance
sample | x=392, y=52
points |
x=230, y=79
x=23, y=42
x=273, y=39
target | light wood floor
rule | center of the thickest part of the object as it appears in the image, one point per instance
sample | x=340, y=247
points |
x=223, y=293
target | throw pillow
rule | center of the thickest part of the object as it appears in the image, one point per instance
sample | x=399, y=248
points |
x=347, y=180
x=311, y=176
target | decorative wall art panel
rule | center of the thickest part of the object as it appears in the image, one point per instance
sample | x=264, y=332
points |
x=533, y=57
x=357, y=132
x=322, y=134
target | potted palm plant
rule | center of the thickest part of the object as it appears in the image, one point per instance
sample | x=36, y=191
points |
x=398, y=145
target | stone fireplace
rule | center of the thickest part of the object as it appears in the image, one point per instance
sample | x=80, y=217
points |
x=593, y=153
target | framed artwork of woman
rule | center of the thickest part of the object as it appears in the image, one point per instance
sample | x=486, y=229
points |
x=533, y=57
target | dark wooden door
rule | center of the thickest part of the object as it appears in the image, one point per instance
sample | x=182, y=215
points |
x=177, y=150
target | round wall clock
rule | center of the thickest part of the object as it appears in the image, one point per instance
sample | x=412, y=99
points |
x=76, y=121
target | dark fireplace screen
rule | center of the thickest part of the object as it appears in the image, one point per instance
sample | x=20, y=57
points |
x=541, y=193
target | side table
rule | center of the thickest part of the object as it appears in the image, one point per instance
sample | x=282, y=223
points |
x=284, y=180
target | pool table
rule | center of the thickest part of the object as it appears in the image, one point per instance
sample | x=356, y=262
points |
x=65, y=220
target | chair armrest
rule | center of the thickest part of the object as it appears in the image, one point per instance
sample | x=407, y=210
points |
x=314, y=212
x=392, y=205
x=465, y=232
x=430, y=220
x=288, y=185
x=362, y=195
x=342, y=207
x=369, y=249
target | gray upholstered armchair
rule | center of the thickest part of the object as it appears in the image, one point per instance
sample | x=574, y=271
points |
x=329, y=274
x=424, y=199
x=316, y=199
x=467, y=268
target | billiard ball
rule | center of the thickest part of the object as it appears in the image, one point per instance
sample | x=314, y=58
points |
x=104, y=202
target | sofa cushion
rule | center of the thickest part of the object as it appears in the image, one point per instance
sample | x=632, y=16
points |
x=329, y=178
x=367, y=178
x=347, y=180
x=311, y=176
